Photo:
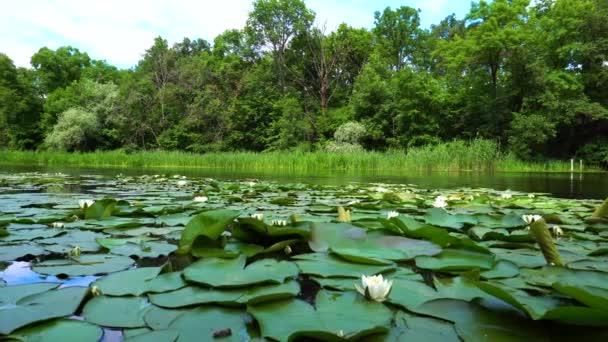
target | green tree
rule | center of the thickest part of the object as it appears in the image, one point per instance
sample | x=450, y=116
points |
x=57, y=69
x=398, y=35
x=273, y=24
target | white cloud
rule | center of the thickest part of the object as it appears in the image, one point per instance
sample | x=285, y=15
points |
x=120, y=31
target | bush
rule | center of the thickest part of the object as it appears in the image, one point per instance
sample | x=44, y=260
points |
x=75, y=130
x=343, y=147
x=350, y=132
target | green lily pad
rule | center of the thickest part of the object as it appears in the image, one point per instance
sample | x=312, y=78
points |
x=86, y=264
x=376, y=250
x=40, y=307
x=162, y=335
x=203, y=322
x=456, y=260
x=475, y=323
x=12, y=294
x=118, y=312
x=547, y=307
x=441, y=218
x=330, y=266
x=337, y=314
x=13, y=252
x=100, y=209
x=66, y=330
x=197, y=295
x=233, y=273
x=138, y=281
x=416, y=328
x=208, y=225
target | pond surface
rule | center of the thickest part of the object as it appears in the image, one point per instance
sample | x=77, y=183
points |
x=209, y=255
x=558, y=184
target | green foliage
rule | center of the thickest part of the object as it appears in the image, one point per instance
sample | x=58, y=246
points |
x=529, y=133
x=530, y=78
x=349, y=132
x=76, y=130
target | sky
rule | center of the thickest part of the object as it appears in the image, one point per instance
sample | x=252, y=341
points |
x=119, y=31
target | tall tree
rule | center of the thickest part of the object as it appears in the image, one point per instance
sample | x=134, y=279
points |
x=273, y=24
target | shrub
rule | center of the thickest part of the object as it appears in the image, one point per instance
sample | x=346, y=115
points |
x=75, y=130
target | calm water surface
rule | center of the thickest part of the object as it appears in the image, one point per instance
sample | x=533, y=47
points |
x=566, y=185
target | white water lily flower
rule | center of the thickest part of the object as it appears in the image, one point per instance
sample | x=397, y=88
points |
x=440, y=202
x=529, y=219
x=258, y=216
x=279, y=222
x=200, y=199
x=557, y=231
x=506, y=195
x=353, y=202
x=226, y=233
x=182, y=183
x=85, y=203
x=392, y=214
x=375, y=287
x=380, y=189
x=531, y=196
x=57, y=224
x=251, y=183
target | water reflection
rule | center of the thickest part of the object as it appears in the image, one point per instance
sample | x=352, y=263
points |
x=20, y=272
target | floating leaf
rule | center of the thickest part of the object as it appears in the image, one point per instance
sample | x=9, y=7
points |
x=197, y=295
x=86, y=264
x=39, y=307
x=348, y=313
x=208, y=225
x=233, y=273
x=118, y=312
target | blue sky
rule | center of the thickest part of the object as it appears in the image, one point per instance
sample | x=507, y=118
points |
x=119, y=31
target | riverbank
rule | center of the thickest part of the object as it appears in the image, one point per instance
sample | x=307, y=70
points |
x=445, y=157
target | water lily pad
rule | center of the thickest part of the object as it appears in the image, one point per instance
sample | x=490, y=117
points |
x=162, y=335
x=86, y=264
x=416, y=328
x=456, y=260
x=13, y=252
x=118, y=312
x=202, y=323
x=100, y=209
x=144, y=249
x=347, y=314
x=208, y=225
x=197, y=295
x=502, y=269
x=376, y=250
x=138, y=281
x=39, y=307
x=475, y=323
x=330, y=266
x=441, y=218
x=66, y=330
x=12, y=294
x=233, y=273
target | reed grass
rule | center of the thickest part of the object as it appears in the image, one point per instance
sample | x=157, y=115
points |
x=476, y=155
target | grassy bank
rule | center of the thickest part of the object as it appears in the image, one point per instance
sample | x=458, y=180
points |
x=454, y=156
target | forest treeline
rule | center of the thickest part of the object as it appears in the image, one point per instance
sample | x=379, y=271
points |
x=532, y=77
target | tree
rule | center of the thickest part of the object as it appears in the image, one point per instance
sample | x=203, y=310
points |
x=57, y=69
x=398, y=34
x=273, y=24
x=19, y=107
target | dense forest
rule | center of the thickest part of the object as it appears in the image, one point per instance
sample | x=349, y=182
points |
x=532, y=77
